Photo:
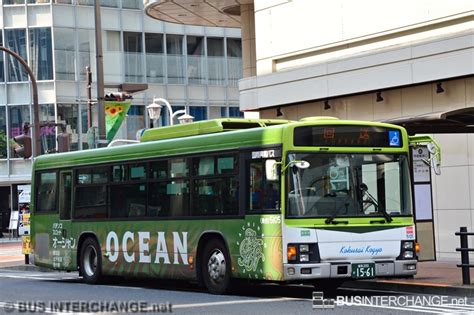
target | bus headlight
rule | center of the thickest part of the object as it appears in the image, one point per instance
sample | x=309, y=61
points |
x=304, y=258
x=408, y=245
x=407, y=250
x=408, y=255
x=304, y=248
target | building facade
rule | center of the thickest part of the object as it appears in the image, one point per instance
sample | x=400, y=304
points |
x=369, y=60
x=193, y=67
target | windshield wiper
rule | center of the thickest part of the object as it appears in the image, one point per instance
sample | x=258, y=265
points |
x=330, y=219
x=373, y=201
x=385, y=214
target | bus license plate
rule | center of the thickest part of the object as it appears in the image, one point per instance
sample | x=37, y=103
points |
x=363, y=271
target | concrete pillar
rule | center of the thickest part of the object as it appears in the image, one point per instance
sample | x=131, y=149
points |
x=247, y=18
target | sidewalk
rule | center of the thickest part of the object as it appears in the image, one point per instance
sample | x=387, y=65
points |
x=435, y=277
x=10, y=253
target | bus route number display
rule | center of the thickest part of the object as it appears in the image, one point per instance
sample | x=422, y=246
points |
x=347, y=136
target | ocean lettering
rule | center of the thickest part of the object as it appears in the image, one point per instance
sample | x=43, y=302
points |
x=148, y=251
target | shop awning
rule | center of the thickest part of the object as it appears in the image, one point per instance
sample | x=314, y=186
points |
x=453, y=121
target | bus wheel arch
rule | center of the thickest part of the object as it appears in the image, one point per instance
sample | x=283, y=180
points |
x=90, y=240
x=216, y=241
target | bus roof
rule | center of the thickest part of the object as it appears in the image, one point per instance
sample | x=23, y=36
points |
x=207, y=127
x=204, y=136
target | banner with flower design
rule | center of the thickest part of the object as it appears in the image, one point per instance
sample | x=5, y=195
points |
x=115, y=113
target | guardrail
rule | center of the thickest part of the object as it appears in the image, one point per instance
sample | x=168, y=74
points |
x=464, y=249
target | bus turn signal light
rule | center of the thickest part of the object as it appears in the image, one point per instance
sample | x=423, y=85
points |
x=291, y=253
x=417, y=248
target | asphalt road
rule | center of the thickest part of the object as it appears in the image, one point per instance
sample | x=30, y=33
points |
x=25, y=292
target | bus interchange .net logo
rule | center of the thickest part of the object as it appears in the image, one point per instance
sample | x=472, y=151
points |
x=319, y=302
x=85, y=307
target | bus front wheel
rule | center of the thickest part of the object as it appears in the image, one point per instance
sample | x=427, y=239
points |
x=215, y=267
x=91, y=261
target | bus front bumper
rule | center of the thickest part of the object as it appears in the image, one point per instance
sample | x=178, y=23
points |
x=395, y=268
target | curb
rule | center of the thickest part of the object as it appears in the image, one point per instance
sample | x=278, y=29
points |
x=405, y=287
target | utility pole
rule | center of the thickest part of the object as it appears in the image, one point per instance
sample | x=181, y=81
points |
x=100, y=71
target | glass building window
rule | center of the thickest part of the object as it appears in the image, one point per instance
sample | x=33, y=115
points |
x=132, y=46
x=154, y=49
x=196, y=60
x=113, y=40
x=86, y=48
x=234, y=60
x=216, y=61
x=235, y=112
x=68, y=116
x=198, y=112
x=65, y=53
x=15, y=39
x=131, y=4
x=3, y=133
x=13, y=1
x=175, y=59
x=135, y=120
x=17, y=116
x=2, y=63
x=41, y=55
x=38, y=1
x=110, y=3
x=47, y=132
x=85, y=2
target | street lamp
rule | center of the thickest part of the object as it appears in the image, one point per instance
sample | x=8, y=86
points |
x=154, y=111
x=34, y=87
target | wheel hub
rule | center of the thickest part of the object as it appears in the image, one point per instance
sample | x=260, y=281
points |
x=90, y=261
x=216, y=266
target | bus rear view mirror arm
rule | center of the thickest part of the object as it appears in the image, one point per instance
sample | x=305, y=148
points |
x=271, y=167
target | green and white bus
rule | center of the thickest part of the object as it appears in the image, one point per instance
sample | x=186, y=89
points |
x=270, y=200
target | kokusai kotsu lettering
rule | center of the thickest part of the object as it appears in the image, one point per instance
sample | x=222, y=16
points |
x=115, y=246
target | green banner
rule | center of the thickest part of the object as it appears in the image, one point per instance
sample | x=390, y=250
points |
x=115, y=113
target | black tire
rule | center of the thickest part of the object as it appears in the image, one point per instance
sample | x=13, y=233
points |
x=215, y=267
x=91, y=261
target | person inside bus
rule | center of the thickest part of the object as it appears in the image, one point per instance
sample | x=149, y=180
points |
x=270, y=197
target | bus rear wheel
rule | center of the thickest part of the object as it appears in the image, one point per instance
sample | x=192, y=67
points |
x=215, y=267
x=91, y=261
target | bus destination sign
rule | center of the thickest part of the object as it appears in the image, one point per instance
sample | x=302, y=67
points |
x=347, y=136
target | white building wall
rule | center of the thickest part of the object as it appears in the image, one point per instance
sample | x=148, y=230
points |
x=299, y=32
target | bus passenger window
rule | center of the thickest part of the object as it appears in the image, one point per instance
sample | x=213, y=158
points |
x=46, y=195
x=179, y=168
x=99, y=175
x=226, y=164
x=118, y=173
x=159, y=170
x=137, y=171
x=203, y=166
x=264, y=194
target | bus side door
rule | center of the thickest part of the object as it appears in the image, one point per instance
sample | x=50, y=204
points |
x=69, y=243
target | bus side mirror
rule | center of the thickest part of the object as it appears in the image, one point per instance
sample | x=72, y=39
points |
x=271, y=169
x=435, y=163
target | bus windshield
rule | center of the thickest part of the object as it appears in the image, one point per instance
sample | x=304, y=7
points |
x=349, y=185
